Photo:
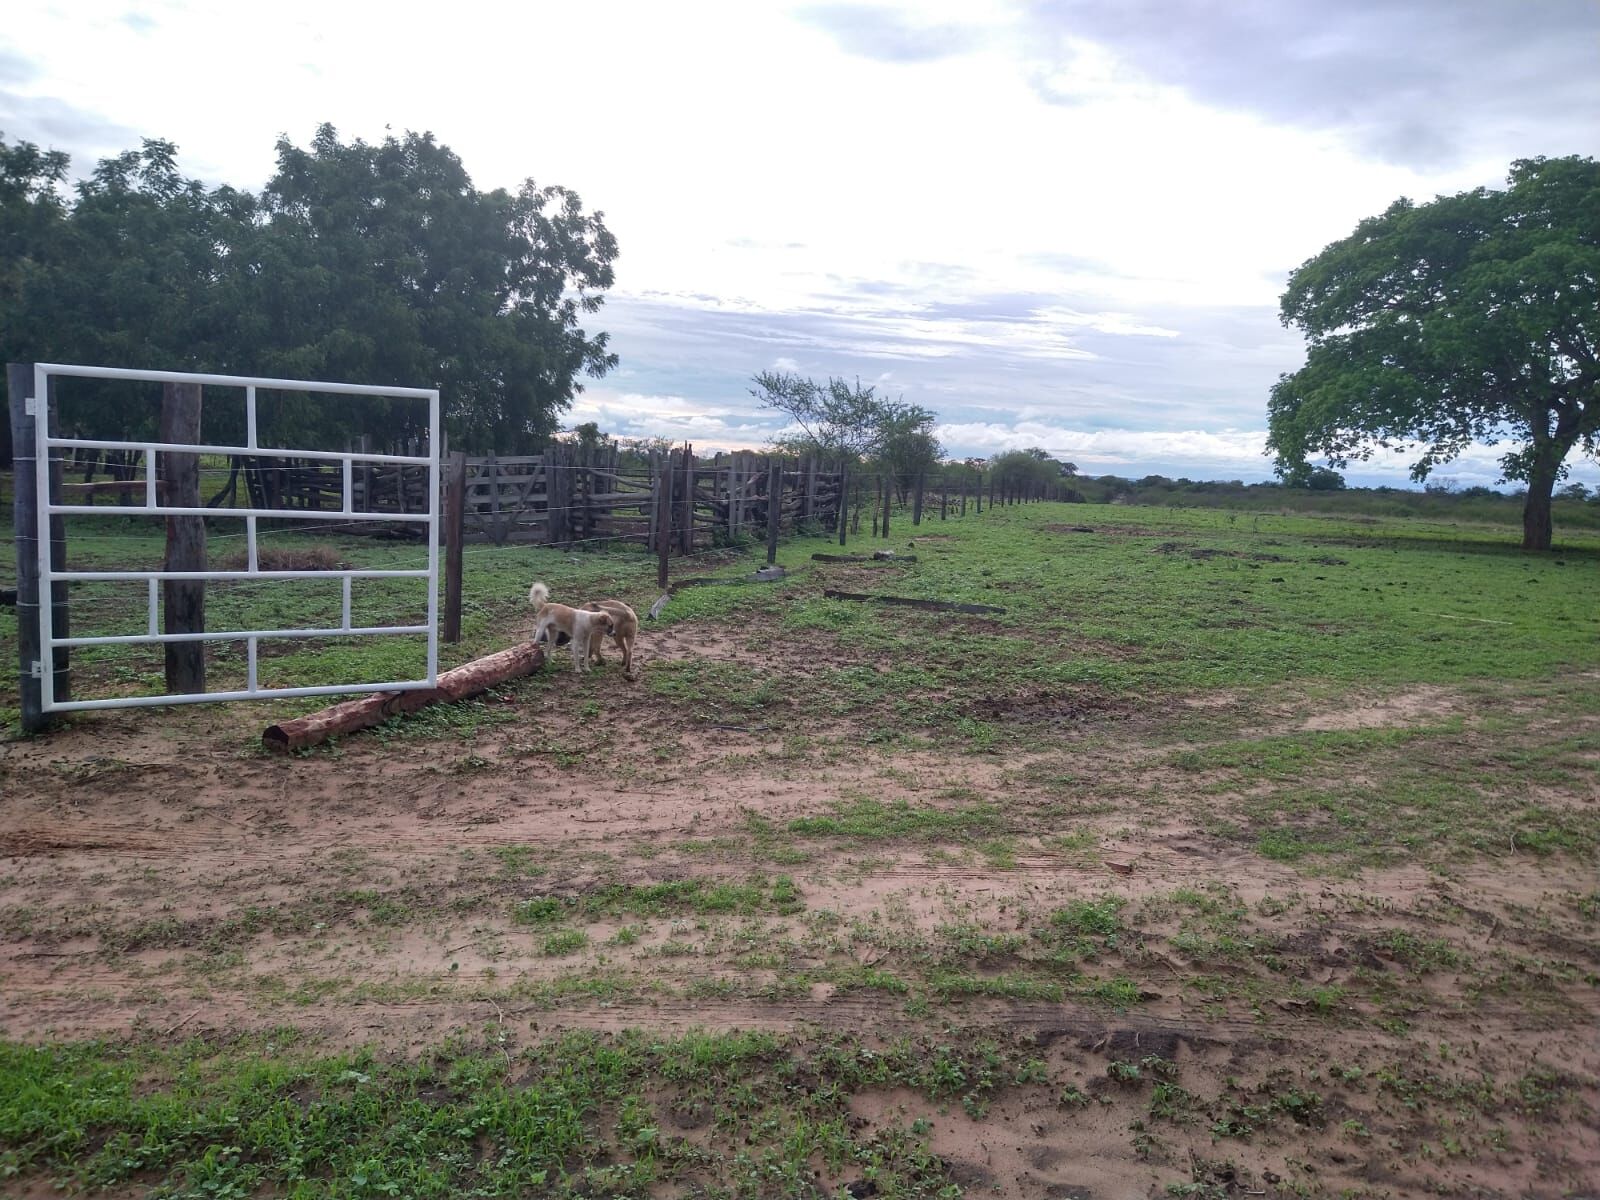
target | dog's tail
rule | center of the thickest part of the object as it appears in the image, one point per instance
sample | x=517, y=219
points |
x=538, y=594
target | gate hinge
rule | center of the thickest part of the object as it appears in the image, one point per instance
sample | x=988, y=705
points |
x=36, y=669
x=30, y=406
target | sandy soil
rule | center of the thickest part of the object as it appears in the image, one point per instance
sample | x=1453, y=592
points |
x=384, y=880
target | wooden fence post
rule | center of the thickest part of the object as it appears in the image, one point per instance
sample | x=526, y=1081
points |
x=369, y=502
x=686, y=531
x=944, y=497
x=25, y=527
x=888, y=499
x=455, y=523
x=663, y=516
x=183, y=601
x=774, y=505
x=844, y=501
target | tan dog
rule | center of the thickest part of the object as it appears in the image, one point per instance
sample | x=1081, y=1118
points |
x=580, y=625
x=625, y=628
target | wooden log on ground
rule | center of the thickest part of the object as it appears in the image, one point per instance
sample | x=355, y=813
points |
x=862, y=558
x=910, y=602
x=462, y=683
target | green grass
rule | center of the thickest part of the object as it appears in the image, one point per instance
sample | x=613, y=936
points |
x=1155, y=600
x=576, y=1116
x=700, y=897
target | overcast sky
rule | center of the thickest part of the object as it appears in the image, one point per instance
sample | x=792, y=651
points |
x=1062, y=223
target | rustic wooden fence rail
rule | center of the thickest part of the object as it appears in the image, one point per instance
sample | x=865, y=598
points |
x=569, y=496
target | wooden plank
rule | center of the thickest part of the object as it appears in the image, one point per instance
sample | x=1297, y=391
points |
x=183, y=600
x=911, y=602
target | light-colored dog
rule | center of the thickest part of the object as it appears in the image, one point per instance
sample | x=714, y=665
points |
x=624, y=630
x=582, y=626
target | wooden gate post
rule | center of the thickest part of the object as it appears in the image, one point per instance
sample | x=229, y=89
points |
x=183, y=600
x=455, y=521
x=774, y=505
x=25, y=528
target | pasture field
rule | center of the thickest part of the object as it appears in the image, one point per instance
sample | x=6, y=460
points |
x=1241, y=855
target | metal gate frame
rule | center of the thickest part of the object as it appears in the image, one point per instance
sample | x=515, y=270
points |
x=45, y=444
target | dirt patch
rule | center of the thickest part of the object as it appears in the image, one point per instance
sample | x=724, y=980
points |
x=165, y=879
x=1406, y=708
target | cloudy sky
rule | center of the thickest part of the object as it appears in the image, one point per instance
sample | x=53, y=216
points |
x=1063, y=223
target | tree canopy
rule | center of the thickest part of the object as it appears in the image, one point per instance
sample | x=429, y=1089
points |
x=1033, y=467
x=1473, y=318
x=372, y=263
x=840, y=420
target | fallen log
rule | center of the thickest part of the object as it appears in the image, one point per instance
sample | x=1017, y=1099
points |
x=462, y=683
x=862, y=558
x=910, y=602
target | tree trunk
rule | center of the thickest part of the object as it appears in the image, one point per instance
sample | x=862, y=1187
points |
x=1549, y=452
x=1536, y=527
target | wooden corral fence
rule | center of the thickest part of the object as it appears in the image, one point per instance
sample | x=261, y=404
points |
x=570, y=496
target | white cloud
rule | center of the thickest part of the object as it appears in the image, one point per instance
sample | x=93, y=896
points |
x=1084, y=219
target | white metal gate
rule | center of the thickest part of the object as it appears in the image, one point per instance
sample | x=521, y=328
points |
x=46, y=445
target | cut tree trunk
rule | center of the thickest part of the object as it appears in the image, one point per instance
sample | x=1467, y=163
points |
x=472, y=679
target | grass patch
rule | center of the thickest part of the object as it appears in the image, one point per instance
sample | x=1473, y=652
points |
x=875, y=820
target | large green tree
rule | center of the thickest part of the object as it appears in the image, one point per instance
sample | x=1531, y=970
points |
x=370, y=263
x=1474, y=318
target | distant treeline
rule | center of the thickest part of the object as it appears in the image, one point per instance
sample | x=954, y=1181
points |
x=1575, y=504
